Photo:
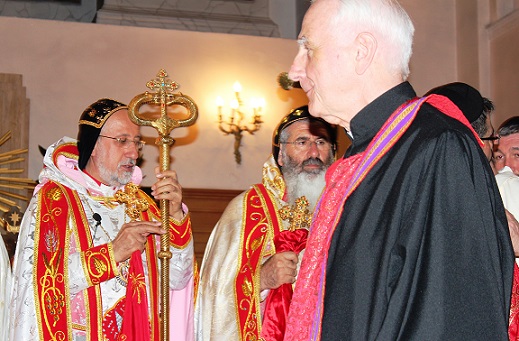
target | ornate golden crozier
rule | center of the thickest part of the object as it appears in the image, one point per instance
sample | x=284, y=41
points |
x=164, y=124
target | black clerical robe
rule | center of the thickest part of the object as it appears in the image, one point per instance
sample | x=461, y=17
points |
x=422, y=249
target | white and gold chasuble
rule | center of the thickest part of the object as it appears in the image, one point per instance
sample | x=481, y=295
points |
x=5, y=289
x=217, y=312
x=104, y=219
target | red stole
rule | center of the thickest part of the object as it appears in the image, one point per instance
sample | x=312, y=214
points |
x=59, y=204
x=513, y=324
x=137, y=320
x=50, y=280
x=136, y=306
x=278, y=301
x=342, y=178
x=260, y=217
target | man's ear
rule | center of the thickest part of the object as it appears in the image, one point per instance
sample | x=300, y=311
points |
x=366, y=45
x=280, y=158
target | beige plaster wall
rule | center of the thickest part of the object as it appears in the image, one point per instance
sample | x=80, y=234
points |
x=434, y=50
x=504, y=67
x=467, y=41
x=66, y=66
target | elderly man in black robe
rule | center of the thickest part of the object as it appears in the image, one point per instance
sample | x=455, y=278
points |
x=410, y=239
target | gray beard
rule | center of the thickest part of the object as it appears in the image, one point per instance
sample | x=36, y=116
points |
x=113, y=179
x=309, y=185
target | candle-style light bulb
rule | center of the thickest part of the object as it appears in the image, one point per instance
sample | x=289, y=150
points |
x=236, y=124
x=261, y=103
x=234, y=104
x=236, y=87
x=219, y=102
x=254, y=103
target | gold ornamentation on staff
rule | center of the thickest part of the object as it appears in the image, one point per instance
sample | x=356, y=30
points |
x=163, y=97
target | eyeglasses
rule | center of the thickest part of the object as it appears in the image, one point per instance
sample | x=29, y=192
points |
x=303, y=145
x=125, y=143
x=490, y=138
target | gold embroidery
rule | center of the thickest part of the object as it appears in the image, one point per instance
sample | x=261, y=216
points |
x=247, y=288
x=99, y=265
x=51, y=296
x=256, y=243
x=298, y=215
x=100, y=261
x=249, y=336
x=107, y=201
x=256, y=230
x=139, y=285
x=54, y=194
x=273, y=179
x=53, y=299
x=134, y=205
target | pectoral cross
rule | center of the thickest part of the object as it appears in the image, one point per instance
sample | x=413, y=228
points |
x=134, y=205
x=298, y=215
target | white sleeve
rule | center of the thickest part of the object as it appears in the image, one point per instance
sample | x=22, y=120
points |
x=22, y=319
x=181, y=266
x=5, y=290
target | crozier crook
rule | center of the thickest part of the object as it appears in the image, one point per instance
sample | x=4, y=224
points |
x=164, y=125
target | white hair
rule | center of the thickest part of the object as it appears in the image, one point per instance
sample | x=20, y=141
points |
x=385, y=18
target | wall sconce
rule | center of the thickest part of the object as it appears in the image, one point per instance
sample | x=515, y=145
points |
x=234, y=125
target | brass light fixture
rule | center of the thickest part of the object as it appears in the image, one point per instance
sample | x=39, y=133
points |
x=234, y=124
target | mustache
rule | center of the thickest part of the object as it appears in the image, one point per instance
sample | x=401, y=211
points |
x=129, y=162
x=313, y=161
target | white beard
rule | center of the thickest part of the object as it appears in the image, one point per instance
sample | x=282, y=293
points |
x=113, y=178
x=309, y=185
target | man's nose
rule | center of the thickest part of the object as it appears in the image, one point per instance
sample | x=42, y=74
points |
x=132, y=151
x=313, y=150
x=296, y=72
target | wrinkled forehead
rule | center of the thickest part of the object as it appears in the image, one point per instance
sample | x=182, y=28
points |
x=509, y=143
x=307, y=128
x=120, y=123
x=315, y=31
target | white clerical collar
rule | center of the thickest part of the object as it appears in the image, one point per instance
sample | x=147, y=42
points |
x=505, y=169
